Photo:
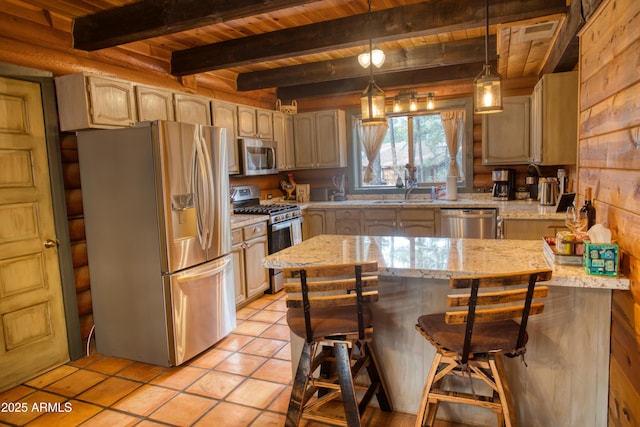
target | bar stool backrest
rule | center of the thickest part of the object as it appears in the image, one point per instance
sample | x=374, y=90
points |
x=508, y=299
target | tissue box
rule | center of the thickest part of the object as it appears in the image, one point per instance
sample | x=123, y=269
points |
x=601, y=259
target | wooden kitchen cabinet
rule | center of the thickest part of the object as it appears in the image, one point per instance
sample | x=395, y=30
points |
x=554, y=119
x=255, y=122
x=347, y=221
x=379, y=222
x=283, y=135
x=506, y=135
x=192, y=109
x=248, y=250
x=320, y=139
x=314, y=223
x=530, y=229
x=417, y=223
x=86, y=102
x=153, y=103
x=225, y=115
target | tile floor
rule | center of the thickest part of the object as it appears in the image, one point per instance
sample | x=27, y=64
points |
x=244, y=380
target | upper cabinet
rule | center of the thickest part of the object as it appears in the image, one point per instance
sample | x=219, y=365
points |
x=154, y=103
x=283, y=135
x=86, y=102
x=505, y=135
x=255, y=122
x=192, y=109
x=224, y=115
x=320, y=139
x=554, y=119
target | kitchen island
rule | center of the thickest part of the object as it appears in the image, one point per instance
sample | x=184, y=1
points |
x=566, y=381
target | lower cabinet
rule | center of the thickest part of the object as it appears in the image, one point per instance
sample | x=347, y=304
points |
x=347, y=221
x=529, y=229
x=417, y=223
x=248, y=250
x=314, y=223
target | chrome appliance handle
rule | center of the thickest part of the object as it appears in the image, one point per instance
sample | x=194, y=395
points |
x=209, y=190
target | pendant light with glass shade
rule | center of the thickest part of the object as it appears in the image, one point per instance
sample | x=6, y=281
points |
x=487, y=90
x=372, y=99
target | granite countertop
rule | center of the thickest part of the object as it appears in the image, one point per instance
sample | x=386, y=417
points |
x=437, y=258
x=513, y=209
x=240, y=221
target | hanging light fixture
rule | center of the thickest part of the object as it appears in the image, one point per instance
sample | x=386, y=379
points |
x=487, y=91
x=375, y=57
x=372, y=99
x=431, y=101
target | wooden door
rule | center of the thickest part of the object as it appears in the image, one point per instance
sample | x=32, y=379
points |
x=192, y=109
x=33, y=335
x=224, y=116
x=153, y=103
x=264, y=124
x=111, y=102
x=247, y=121
x=256, y=276
x=304, y=137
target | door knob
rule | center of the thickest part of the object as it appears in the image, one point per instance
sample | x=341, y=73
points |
x=50, y=243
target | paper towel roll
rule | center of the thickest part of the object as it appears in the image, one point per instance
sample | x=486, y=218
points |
x=452, y=189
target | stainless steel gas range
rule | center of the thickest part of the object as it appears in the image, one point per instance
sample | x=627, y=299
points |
x=284, y=225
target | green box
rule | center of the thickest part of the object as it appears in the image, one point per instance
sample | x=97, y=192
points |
x=601, y=259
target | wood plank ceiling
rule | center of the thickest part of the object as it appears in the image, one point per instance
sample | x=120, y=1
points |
x=308, y=48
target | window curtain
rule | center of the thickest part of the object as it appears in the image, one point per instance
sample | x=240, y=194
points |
x=453, y=124
x=371, y=137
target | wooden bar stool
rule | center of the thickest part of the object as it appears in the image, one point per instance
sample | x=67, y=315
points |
x=328, y=307
x=470, y=342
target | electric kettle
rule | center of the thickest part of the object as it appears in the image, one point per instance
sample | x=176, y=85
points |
x=548, y=191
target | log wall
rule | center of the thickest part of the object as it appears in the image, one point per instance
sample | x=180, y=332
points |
x=609, y=162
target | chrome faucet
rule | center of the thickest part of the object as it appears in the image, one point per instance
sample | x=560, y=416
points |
x=409, y=188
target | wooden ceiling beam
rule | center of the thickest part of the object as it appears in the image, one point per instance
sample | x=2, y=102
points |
x=419, y=19
x=429, y=56
x=153, y=18
x=396, y=80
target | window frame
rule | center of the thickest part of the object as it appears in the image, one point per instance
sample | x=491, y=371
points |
x=354, y=156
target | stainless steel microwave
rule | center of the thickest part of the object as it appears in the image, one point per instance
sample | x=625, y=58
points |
x=258, y=156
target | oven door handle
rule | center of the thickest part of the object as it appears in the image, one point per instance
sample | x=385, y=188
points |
x=285, y=224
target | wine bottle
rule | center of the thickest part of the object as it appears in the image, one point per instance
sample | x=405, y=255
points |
x=588, y=208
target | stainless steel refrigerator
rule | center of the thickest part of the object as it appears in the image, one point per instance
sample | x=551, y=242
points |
x=158, y=232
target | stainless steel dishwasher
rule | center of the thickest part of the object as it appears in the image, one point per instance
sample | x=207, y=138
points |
x=468, y=223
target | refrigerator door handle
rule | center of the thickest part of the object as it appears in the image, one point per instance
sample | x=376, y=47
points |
x=209, y=189
x=203, y=186
x=202, y=274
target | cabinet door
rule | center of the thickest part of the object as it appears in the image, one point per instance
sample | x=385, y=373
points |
x=379, y=228
x=505, y=136
x=348, y=226
x=283, y=135
x=304, y=137
x=153, y=103
x=264, y=124
x=530, y=229
x=257, y=277
x=192, y=109
x=331, y=136
x=111, y=102
x=313, y=224
x=417, y=229
x=224, y=115
x=237, y=255
x=247, y=121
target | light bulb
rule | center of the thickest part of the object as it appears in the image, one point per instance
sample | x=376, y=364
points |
x=377, y=56
x=487, y=99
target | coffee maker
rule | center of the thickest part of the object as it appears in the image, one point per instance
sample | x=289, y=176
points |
x=504, y=184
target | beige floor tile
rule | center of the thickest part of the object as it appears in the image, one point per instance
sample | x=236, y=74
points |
x=142, y=372
x=233, y=342
x=179, y=377
x=29, y=406
x=275, y=370
x=278, y=332
x=241, y=364
x=263, y=347
x=210, y=358
x=281, y=404
x=52, y=376
x=283, y=320
x=110, y=365
x=183, y=410
x=144, y=400
x=109, y=418
x=269, y=419
x=16, y=393
x=251, y=328
x=228, y=415
x=86, y=361
x=278, y=305
x=216, y=384
x=78, y=413
x=149, y=423
x=109, y=391
x=284, y=353
x=255, y=393
x=245, y=313
x=267, y=316
x=76, y=383
x=259, y=304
